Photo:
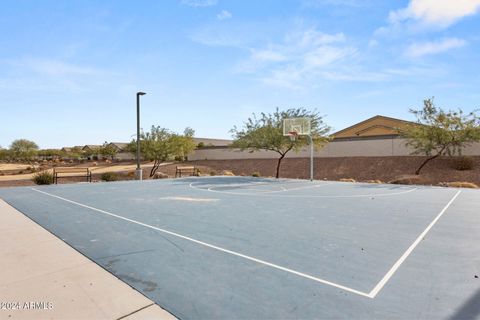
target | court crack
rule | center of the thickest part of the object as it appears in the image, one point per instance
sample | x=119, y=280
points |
x=125, y=254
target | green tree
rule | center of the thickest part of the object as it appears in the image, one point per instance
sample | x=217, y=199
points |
x=161, y=145
x=439, y=132
x=23, y=150
x=108, y=150
x=183, y=144
x=91, y=152
x=265, y=132
x=50, y=153
x=4, y=154
x=75, y=153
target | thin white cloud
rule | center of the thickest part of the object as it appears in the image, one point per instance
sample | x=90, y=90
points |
x=416, y=50
x=409, y=71
x=218, y=35
x=306, y=48
x=347, y=3
x=53, y=75
x=440, y=13
x=299, y=59
x=224, y=15
x=58, y=68
x=372, y=43
x=267, y=55
x=312, y=37
x=306, y=57
x=288, y=77
x=302, y=59
x=326, y=55
x=199, y=3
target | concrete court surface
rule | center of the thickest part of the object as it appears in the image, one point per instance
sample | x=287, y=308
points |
x=252, y=248
x=37, y=267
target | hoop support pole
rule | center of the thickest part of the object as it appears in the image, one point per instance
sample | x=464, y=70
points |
x=311, y=157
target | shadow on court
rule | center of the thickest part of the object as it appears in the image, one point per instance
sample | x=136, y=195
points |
x=469, y=310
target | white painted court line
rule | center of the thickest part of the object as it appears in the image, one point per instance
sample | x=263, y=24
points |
x=272, y=265
x=318, y=185
x=243, y=184
x=399, y=262
x=189, y=199
x=273, y=193
x=279, y=191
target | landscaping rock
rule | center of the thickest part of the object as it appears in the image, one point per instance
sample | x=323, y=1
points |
x=459, y=184
x=407, y=179
x=160, y=175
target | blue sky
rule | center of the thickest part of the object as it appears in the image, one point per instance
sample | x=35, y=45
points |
x=69, y=70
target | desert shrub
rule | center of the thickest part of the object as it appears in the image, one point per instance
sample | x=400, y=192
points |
x=407, y=179
x=347, y=180
x=213, y=173
x=109, y=176
x=227, y=173
x=460, y=184
x=2, y=174
x=131, y=174
x=44, y=177
x=31, y=169
x=256, y=174
x=463, y=163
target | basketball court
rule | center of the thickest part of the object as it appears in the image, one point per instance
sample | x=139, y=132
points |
x=241, y=247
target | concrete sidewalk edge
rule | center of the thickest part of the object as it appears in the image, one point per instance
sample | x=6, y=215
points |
x=45, y=278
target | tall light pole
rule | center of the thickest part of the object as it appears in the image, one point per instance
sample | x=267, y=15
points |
x=138, y=172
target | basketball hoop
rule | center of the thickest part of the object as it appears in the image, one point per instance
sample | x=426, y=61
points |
x=293, y=135
x=301, y=126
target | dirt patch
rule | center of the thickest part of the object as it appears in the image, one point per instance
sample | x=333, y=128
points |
x=362, y=169
x=16, y=183
x=359, y=168
x=13, y=166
